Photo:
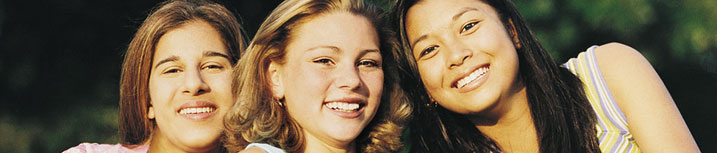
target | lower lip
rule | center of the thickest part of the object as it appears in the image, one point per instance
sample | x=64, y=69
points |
x=475, y=83
x=200, y=116
x=347, y=115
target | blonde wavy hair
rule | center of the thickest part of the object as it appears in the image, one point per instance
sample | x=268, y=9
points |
x=258, y=117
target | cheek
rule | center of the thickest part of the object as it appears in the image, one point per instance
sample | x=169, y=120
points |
x=494, y=38
x=374, y=82
x=303, y=91
x=160, y=95
x=431, y=73
x=498, y=44
x=299, y=109
x=221, y=87
x=160, y=90
x=304, y=83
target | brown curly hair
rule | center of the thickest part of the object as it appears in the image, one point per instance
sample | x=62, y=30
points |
x=257, y=117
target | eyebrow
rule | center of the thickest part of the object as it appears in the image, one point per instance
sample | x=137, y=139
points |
x=463, y=11
x=337, y=49
x=206, y=54
x=216, y=54
x=454, y=18
x=419, y=39
x=371, y=50
x=167, y=60
x=333, y=48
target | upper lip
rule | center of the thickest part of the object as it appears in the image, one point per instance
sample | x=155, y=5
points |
x=197, y=104
x=465, y=73
x=358, y=100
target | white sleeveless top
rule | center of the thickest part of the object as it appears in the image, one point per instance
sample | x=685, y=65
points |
x=266, y=147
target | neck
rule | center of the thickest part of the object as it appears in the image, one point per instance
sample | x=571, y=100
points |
x=316, y=145
x=501, y=124
x=160, y=143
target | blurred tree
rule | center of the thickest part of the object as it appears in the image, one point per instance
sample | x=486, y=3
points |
x=665, y=31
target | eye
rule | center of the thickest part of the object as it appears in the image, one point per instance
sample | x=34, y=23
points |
x=171, y=70
x=468, y=26
x=212, y=67
x=368, y=63
x=428, y=51
x=325, y=61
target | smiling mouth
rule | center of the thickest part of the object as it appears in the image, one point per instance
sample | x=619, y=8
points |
x=344, y=106
x=196, y=110
x=475, y=75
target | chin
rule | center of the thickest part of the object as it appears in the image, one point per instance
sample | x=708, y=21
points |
x=344, y=138
x=347, y=133
x=201, y=139
x=473, y=105
x=202, y=144
x=482, y=105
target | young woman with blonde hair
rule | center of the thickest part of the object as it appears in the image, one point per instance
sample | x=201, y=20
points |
x=318, y=76
x=176, y=80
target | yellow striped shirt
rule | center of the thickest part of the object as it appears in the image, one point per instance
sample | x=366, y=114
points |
x=612, y=128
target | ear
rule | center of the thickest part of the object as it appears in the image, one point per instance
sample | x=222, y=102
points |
x=150, y=112
x=275, y=80
x=514, y=33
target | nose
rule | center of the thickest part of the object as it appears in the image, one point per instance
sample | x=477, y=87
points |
x=348, y=77
x=458, y=53
x=194, y=83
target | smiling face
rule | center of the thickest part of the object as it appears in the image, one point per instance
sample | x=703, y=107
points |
x=465, y=56
x=190, y=88
x=331, y=77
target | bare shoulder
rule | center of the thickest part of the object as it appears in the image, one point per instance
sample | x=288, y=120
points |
x=252, y=150
x=626, y=70
x=652, y=116
x=617, y=54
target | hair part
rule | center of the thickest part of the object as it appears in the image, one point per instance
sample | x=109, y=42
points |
x=562, y=115
x=135, y=127
x=257, y=116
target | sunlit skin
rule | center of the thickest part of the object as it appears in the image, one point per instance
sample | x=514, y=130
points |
x=332, y=57
x=190, y=69
x=450, y=44
x=450, y=38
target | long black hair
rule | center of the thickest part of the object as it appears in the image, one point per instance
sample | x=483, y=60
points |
x=562, y=115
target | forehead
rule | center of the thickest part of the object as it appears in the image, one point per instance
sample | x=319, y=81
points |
x=335, y=28
x=335, y=21
x=439, y=10
x=191, y=37
x=432, y=14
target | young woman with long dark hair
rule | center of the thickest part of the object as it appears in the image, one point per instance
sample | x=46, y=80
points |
x=481, y=82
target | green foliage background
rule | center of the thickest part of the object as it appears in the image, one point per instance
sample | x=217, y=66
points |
x=664, y=30
x=60, y=61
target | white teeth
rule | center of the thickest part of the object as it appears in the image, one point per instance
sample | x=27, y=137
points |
x=196, y=110
x=342, y=106
x=477, y=74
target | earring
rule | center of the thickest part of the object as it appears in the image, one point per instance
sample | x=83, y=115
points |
x=150, y=112
x=433, y=104
x=280, y=102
